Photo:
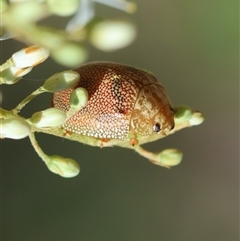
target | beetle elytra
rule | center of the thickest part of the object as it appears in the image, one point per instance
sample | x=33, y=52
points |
x=124, y=102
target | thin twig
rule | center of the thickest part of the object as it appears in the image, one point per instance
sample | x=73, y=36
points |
x=28, y=99
x=37, y=148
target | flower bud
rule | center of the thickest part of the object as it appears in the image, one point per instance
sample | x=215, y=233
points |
x=62, y=7
x=111, y=35
x=46, y=36
x=29, y=57
x=64, y=167
x=170, y=157
x=69, y=54
x=13, y=74
x=78, y=98
x=196, y=119
x=24, y=11
x=182, y=113
x=51, y=117
x=61, y=81
x=14, y=128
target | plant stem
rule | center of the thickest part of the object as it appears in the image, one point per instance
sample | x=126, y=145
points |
x=37, y=148
x=28, y=99
x=6, y=65
x=152, y=157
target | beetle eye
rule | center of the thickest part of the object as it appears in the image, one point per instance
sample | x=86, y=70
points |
x=156, y=127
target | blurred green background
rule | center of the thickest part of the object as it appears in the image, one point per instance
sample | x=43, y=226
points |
x=192, y=47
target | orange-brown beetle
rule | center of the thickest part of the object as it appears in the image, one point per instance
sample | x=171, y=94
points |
x=124, y=102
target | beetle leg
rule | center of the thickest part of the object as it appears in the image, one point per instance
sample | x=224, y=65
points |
x=133, y=141
x=67, y=133
x=103, y=141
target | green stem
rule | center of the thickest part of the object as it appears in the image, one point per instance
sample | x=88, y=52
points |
x=143, y=152
x=4, y=113
x=152, y=157
x=6, y=65
x=28, y=99
x=38, y=149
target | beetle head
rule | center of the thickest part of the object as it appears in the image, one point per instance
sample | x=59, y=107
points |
x=152, y=112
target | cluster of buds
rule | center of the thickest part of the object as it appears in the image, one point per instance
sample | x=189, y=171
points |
x=21, y=63
x=67, y=46
x=15, y=127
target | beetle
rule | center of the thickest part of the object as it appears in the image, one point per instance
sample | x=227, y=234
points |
x=125, y=103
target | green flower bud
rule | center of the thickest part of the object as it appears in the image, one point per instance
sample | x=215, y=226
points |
x=13, y=74
x=111, y=35
x=51, y=117
x=48, y=37
x=170, y=157
x=196, y=119
x=63, y=7
x=61, y=81
x=64, y=167
x=14, y=128
x=25, y=12
x=78, y=98
x=29, y=57
x=182, y=113
x=69, y=54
